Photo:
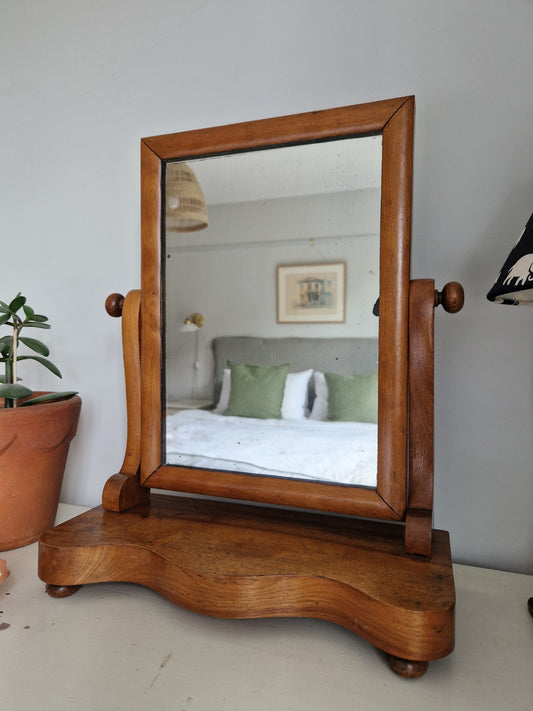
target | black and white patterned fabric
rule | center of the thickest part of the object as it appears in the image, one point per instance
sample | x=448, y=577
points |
x=515, y=282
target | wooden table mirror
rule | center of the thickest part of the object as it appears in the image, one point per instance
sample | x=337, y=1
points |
x=279, y=382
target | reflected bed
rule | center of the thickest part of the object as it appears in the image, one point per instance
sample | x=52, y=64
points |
x=302, y=442
x=340, y=452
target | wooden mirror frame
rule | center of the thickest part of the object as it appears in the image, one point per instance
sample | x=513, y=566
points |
x=394, y=120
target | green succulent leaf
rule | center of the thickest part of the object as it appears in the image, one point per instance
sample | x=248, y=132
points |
x=6, y=343
x=17, y=303
x=48, y=398
x=28, y=311
x=12, y=391
x=39, y=318
x=3, y=319
x=36, y=325
x=35, y=345
x=43, y=361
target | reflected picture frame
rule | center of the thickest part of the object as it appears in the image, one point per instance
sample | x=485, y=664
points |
x=311, y=293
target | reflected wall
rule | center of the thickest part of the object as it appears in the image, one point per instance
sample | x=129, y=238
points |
x=313, y=204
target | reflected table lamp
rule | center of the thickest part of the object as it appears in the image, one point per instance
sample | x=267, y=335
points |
x=193, y=324
x=515, y=284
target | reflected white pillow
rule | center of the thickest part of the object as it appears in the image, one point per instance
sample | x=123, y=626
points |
x=320, y=404
x=223, y=401
x=295, y=403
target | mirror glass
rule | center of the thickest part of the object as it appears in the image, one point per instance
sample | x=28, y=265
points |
x=291, y=251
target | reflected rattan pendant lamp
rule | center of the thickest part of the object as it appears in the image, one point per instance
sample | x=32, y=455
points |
x=185, y=209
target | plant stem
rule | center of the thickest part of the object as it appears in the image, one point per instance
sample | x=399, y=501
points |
x=11, y=367
x=15, y=344
x=8, y=402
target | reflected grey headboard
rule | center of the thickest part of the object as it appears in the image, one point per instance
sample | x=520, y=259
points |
x=345, y=356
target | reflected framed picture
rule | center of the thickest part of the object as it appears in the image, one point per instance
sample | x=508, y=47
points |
x=311, y=293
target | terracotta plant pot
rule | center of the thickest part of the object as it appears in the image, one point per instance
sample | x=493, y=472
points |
x=34, y=444
x=4, y=572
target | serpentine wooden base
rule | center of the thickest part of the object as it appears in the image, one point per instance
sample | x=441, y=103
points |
x=241, y=561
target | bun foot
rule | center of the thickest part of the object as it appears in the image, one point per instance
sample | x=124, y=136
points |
x=406, y=668
x=61, y=590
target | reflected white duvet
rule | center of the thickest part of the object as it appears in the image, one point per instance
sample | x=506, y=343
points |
x=340, y=452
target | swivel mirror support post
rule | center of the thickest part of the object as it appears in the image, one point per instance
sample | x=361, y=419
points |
x=423, y=299
x=123, y=490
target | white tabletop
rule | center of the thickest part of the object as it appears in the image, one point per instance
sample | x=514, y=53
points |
x=118, y=646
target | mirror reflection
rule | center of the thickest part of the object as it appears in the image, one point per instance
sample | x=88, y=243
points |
x=271, y=343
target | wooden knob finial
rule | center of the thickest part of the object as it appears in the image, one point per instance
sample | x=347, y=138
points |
x=451, y=298
x=114, y=304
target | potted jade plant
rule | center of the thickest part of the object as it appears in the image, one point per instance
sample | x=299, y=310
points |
x=35, y=432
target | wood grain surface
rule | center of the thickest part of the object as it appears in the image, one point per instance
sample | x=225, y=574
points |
x=241, y=561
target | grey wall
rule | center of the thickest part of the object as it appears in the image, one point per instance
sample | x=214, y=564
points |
x=82, y=82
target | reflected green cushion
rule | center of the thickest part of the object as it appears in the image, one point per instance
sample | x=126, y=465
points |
x=352, y=398
x=256, y=390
